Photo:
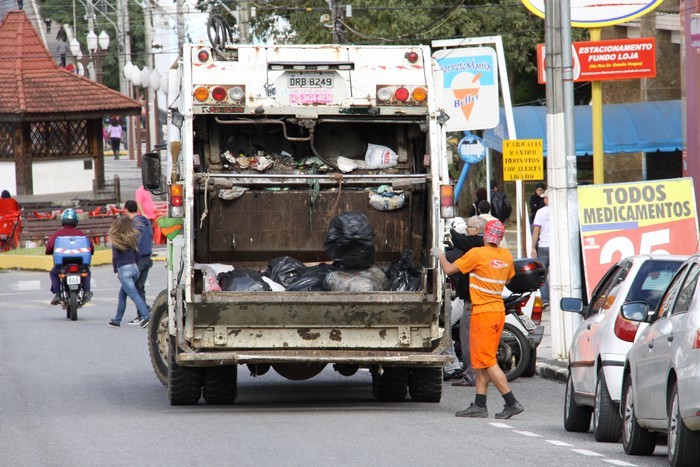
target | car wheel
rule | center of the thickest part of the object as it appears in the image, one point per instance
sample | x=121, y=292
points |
x=636, y=440
x=576, y=418
x=606, y=416
x=683, y=444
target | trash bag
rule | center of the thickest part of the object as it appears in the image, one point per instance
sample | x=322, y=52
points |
x=312, y=279
x=285, y=270
x=403, y=276
x=350, y=241
x=371, y=279
x=242, y=280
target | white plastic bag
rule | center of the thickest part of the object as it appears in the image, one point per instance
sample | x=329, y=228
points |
x=379, y=157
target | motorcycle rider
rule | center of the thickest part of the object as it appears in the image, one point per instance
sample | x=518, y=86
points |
x=69, y=221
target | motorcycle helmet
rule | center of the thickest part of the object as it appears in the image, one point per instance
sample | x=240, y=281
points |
x=69, y=217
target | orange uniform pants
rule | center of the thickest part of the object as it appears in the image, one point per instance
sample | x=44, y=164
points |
x=484, y=336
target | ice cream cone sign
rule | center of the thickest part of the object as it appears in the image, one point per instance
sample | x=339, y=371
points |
x=470, y=87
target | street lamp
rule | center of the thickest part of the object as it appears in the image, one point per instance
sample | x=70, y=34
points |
x=97, y=46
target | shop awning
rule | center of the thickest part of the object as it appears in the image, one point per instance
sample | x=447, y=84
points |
x=634, y=127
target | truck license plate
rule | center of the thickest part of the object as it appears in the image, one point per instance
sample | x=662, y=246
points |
x=73, y=280
x=311, y=80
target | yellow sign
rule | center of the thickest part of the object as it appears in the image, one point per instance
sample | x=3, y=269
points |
x=523, y=159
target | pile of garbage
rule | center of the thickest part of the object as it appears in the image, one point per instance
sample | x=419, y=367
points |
x=350, y=243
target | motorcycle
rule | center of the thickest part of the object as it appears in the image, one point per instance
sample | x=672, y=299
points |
x=72, y=255
x=517, y=349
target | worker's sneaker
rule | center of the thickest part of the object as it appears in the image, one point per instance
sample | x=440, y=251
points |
x=510, y=410
x=113, y=324
x=136, y=321
x=473, y=411
x=56, y=299
x=143, y=324
x=87, y=296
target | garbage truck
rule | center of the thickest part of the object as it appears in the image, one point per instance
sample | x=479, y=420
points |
x=268, y=146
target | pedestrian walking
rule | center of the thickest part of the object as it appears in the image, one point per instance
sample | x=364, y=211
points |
x=62, y=49
x=540, y=244
x=144, y=201
x=500, y=206
x=125, y=255
x=145, y=246
x=491, y=268
x=61, y=34
x=115, y=136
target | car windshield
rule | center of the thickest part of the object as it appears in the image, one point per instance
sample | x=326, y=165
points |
x=651, y=281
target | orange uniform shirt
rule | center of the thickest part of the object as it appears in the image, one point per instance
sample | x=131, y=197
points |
x=489, y=270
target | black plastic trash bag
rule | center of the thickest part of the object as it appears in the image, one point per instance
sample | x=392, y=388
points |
x=242, y=280
x=285, y=270
x=350, y=241
x=403, y=275
x=371, y=279
x=312, y=279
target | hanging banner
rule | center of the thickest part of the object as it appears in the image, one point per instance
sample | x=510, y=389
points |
x=470, y=87
x=598, y=13
x=618, y=220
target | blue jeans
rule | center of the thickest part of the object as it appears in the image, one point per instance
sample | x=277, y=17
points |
x=128, y=275
x=543, y=255
x=144, y=265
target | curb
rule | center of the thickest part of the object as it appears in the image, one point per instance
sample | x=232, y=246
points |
x=45, y=262
x=552, y=369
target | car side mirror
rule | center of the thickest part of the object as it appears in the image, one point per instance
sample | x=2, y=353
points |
x=635, y=311
x=151, y=172
x=572, y=305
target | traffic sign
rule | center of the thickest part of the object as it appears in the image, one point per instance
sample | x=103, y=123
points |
x=596, y=14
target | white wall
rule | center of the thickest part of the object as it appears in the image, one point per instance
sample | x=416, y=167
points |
x=8, y=181
x=62, y=176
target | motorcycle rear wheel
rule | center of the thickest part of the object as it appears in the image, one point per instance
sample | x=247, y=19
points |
x=72, y=310
x=513, y=353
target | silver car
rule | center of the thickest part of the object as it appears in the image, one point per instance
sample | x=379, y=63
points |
x=600, y=343
x=661, y=389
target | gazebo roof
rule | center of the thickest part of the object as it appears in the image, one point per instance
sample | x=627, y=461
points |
x=34, y=87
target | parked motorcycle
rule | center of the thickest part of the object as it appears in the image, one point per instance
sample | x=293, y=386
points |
x=517, y=349
x=73, y=256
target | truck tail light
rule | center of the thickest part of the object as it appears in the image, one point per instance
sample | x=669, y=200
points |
x=176, y=206
x=625, y=329
x=201, y=94
x=218, y=93
x=412, y=56
x=203, y=55
x=447, y=201
x=401, y=94
x=536, y=315
x=696, y=342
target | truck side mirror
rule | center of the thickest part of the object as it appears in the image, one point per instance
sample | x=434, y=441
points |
x=150, y=172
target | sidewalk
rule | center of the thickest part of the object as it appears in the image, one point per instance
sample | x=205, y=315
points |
x=547, y=367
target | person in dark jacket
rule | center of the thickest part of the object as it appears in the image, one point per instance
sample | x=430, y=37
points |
x=125, y=255
x=69, y=222
x=536, y=202
x=145, y=263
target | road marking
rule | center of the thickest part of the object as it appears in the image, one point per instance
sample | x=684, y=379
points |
x=500, y=425
x=527, y=433
x=558, y=443
x=617, y=462
x=29, y=285
x=586, y=452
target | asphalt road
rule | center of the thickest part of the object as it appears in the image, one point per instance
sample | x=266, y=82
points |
x=82, y=393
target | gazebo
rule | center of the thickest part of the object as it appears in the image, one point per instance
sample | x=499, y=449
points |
x=51, y=137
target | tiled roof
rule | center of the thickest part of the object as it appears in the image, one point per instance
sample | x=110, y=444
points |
x=32, y=84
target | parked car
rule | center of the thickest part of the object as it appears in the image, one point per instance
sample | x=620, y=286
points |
x=601, y=341
x=661, y=391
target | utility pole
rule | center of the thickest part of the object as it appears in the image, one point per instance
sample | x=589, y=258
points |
x=337, y=14
x=564, y=273
x=180, y=26
x=244, y=21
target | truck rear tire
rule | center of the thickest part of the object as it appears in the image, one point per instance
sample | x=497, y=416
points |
x=391, y=385
x=184, y=384
x=425, y=384
x=158, y=337
x=221, y=384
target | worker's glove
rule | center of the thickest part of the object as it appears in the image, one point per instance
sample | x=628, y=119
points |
x=436, y=252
